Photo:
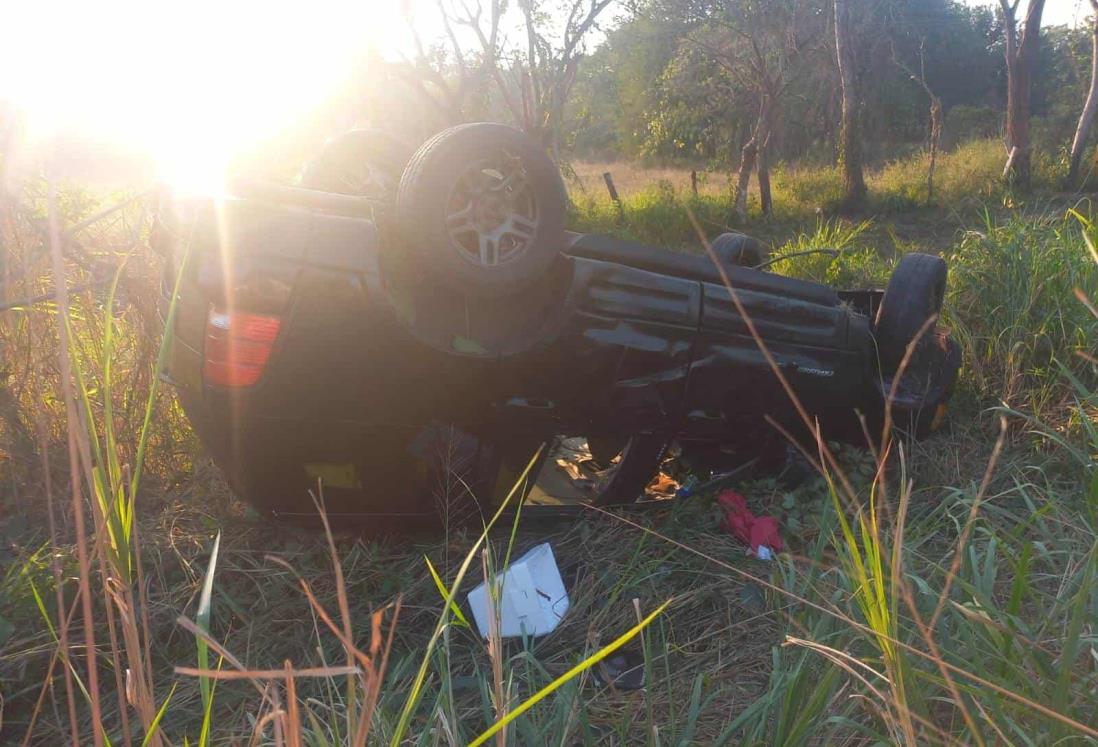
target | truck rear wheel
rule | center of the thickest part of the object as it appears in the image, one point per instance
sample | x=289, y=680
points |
x=914, y=294
x=482, y=207
x=738, y=250
x=366, y=162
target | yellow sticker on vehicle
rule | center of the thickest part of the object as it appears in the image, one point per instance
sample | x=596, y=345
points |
x=939, y=417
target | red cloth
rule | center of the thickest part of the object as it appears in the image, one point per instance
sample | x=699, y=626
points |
x=741, y=523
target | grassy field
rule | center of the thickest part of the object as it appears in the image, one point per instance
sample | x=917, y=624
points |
x=940, y=592
x=966, y=186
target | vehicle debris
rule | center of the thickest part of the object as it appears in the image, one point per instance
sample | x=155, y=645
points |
x=531, y=595
x=579, y=475
x=693, y=486
x=623, y=670
x=759, y=533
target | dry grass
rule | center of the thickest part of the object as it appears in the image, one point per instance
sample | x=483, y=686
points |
x=717, y=669
x=261, y=616
x=631, y=179
x=969, y=171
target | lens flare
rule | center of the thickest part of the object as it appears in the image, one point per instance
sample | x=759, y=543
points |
x=189, y=85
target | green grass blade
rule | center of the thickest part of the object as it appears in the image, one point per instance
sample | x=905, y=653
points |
x=85, y=398
x=161, y=361
x=53, y=634
x=1080, y=607
x=155, y=725
x=459, y=618
x=202, y=619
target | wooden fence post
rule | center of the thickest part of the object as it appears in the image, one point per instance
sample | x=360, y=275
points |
x=614, y=195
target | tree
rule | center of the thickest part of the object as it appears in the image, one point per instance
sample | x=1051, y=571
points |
x=773, y=38
x=934, y=130
x=850, y=145
x=532, y=78
x=760, y=47
x=1021, y=51
x=444, y=76
x=1086, y=118
x=548, y=71
x=661, y=83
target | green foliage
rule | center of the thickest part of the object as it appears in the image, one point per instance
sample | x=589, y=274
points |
x=970, y=122
x=206, y=686
x=808, y=188
x=1013, y=308
x=676, y=80
x=833, y=254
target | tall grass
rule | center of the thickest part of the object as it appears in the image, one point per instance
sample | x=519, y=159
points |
x=1014, y=309
x=926, y=598
x=77, y=344
x=97, y=457
x=655, y=202
x=975, y=615
x=113, y=487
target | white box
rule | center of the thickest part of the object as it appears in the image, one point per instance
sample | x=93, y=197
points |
x=532, y=600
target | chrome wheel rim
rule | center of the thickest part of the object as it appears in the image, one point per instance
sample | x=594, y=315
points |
x=492, y=211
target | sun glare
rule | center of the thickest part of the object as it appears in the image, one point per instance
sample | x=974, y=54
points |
x=188, y=84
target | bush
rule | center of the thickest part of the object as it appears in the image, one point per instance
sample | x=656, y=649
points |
x=967, y=174
x=1013, y=307
x=964, y=123
x=849, y=266
x=808, y=190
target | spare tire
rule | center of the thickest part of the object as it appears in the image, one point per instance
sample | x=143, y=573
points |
x=366, y=162
x=482, y=207
x=914, y=293
x=738, y=250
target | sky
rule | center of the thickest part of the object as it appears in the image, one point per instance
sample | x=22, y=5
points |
x=1067, y=12
x=1057, y=12
x=189, y=82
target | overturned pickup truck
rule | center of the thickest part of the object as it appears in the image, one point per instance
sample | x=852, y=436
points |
x=409, y=328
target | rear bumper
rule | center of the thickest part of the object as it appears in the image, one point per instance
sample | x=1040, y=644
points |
x=273, y=462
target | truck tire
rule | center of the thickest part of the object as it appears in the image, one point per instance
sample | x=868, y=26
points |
x=365, y=162
x=738, y=250
x=914, y=293
x=482, y=208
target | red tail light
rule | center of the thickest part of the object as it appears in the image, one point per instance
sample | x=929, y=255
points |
x=238, y=346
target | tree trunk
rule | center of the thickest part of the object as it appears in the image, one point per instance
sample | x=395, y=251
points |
x=1086, y=119
x=1017, y=123
x=933, y=144
x=762, y=169
x=754, y=157
x=765, y=198
x=766, y=138
x=850, y=146
x=1020, y=55
x=747, y=163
